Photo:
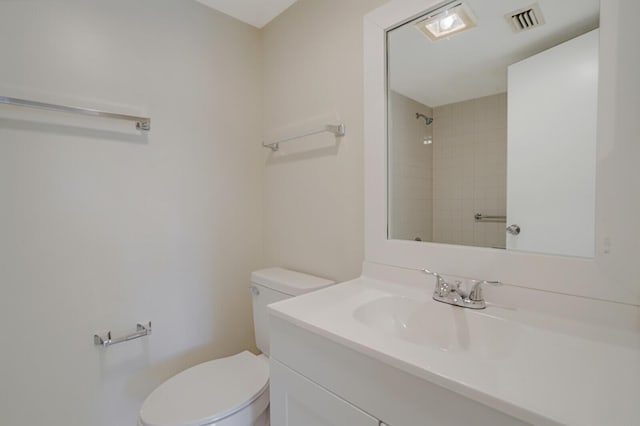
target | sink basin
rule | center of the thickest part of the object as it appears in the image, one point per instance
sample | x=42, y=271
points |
x=435, y=324
x=533, y=364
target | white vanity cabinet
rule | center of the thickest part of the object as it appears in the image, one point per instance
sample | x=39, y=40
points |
x=316, y=381
x=297, y=401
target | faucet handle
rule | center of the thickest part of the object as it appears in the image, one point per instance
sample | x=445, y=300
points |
x=442, y=287
x=475, y=294
x=440, y=282
x=435, y=274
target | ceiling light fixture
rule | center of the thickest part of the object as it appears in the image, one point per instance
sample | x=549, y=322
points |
x=450, y=20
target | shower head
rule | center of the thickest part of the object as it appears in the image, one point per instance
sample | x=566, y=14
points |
x=427, y=120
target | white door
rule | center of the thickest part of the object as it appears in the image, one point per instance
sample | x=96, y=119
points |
x=552, y=116
x=297, y=401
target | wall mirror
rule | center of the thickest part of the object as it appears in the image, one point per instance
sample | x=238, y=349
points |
x=492, y=122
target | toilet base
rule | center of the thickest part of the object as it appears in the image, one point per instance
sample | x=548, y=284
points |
x=263, y=420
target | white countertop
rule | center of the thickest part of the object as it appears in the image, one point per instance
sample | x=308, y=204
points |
x=550, y=371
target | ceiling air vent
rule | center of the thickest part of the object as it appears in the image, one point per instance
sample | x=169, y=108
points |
x=525, y=18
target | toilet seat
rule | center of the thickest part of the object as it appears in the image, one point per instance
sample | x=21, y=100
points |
x=208, y=392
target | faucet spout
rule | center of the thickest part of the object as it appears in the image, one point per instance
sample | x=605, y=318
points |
x=475, y=294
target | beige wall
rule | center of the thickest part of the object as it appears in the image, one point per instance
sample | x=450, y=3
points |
x=470, y=171
x=100, y=230
x=410, y=170
x=313, y=188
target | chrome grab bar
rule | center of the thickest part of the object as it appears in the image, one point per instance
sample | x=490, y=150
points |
x=106, y=340
x=479, y=217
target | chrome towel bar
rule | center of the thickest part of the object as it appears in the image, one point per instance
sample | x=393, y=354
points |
x=142, y=123
x=106, y=340
x=337, y=129
x=479, y=217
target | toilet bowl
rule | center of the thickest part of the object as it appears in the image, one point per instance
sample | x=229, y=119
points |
x=228, y=391
x=232, y=391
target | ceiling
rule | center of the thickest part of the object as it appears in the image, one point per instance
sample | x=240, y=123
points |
x=253, y=12
x=473, y=63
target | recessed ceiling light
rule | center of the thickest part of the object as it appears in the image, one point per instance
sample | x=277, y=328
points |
x=447, y=22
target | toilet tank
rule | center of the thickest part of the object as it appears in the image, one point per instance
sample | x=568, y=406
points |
x=272, y=285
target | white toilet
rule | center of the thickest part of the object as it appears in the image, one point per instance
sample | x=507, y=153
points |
x=232, y=391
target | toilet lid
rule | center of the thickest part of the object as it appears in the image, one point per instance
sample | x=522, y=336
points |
x=207, y=392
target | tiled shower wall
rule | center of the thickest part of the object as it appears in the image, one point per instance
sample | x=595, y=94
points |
x=410, y=170
x=470, y=171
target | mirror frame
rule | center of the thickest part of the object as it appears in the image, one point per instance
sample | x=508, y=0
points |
x=612, y=274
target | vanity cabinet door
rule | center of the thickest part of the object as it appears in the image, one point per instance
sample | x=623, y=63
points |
x=297, y=401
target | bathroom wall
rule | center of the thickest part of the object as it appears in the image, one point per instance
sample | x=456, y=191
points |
x=470, y=171
x=313, y=188
x=410, y=170
x=101, y=228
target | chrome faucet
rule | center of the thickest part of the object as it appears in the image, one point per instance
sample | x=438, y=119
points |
x=452, y=294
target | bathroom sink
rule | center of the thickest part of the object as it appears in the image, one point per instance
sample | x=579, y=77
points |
x=446, y=327
x=517, y=360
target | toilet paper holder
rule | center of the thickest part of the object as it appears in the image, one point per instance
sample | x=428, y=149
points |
x=106, y=340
